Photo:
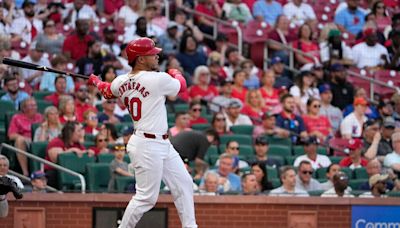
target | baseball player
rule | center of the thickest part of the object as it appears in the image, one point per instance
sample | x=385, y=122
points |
x=143, y=92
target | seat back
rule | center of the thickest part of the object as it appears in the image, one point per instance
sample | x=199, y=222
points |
x=98, y=175
x=38, y=149
x=73, y=162
x=241, y=139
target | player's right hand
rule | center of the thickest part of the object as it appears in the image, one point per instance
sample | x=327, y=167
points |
x=93, y=80
x=174, y=72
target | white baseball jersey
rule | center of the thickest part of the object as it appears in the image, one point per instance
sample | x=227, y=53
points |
x=144, y=95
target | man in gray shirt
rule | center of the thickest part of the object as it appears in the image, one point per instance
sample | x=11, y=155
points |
x=288, y=188
x=333, y=113
x=304, y=178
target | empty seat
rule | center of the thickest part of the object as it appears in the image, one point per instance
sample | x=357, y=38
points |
x=360, y=173
x=38, y=149
x=201, y=127
x=122, y=183
x=241, y=139
x=98, y=175
x=105, y=158
x=243, y=129
x=73, y=162
x=279, y=150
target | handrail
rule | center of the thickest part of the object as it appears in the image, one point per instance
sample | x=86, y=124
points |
x=58, y=167
x=20, y=176
x=215, y=29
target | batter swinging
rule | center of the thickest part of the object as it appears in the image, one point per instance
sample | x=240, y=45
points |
x=144, y=91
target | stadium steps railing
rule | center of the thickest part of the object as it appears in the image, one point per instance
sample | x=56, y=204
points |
x=27, y=179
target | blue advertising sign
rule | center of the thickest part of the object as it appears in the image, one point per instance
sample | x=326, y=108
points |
x=375, y=217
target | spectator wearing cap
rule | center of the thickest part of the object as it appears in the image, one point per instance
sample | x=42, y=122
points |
x=91, y=122
x=304, y=179
x=254, y=106
x=108, y=115
x=289, y=186
x=13, y=94
x=370, y=54
x=269, y=128
x=20, y=130
x=351, y=18
x=282, y=34
x=249, y=184
x=371, y=138
x=351, y=126
x=48, y=80
x=374, y=167
x=377, y=185
x=26, y=27
x=316, y=160
x=267, y=11
x=129, y=13
x=238, y=89
x=201, y=88
x=66, y=107
x=316, y=124
x=234, y=117
x=303, y=90
x=282, y=81
x=78, y=10
x=269, y=93
x=334, y=50
x=217, y=73
x=333, y=113
x=218, y=123
x=330, y=172
x=219, y=103
x=50, y=127
x=181, y=123
x=340, y=186
x=34, y=56
x=260, y=171
x=169, y=41
x=109, y=45
x=342, y=90
x=76, y=44
x=392, y=160
x=93, y=62
x=38, y=182
x=81, y=101
x=261, y=148
x=393, y=50
x=299, y=12
x=118, y=166
x=289, y=121
x=387, y=130
x=50, y=39
x=354, y=160
x=60, y=84
x=307, y=45
x=195, y=110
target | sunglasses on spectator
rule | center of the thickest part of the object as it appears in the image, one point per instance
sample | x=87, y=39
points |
x=307, y=172
x=93, y=118
x=380, y=7
x=317, y=106
x=220, y=119
x=234, y=148
x=102, y=140
x=196, y=109
x=82, y=90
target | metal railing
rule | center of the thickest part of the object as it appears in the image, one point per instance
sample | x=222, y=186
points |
x=51, y=164
x=25, y=178
x=218, y=21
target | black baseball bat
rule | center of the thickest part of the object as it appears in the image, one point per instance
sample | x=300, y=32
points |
x=31, y=66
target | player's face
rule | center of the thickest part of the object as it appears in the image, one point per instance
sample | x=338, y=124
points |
x=151, y=62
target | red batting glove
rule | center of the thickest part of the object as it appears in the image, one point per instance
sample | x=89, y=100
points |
x=103, y=87
x=174, y=72
x=178, y=75
x=94, y=80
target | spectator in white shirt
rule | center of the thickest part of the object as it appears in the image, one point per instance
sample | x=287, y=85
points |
x=35, y=56
x=340, y=186
x=370, y=54
x=233, y=116
x=26, y=28
x=78, y=10
x=310, y=148
x=299, y=12
x=129, y=13
x=351, y=126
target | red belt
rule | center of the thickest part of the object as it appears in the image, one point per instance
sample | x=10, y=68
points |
x=153, y=136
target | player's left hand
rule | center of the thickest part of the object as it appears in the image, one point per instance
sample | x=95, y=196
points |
x=93, y=80
x=174, y=72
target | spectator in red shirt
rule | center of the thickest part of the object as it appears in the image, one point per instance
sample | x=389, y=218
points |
x=306, y=45
x=218, y=123
x=238, y=90
x=381, y=17
x=254, y=106
x=201, y=89
x=100, y=145
x=210, y=8
x=269, y=93
x=70, y=141
x=76, y=45
x=20, y=129
x=81, y=101
x=194, y=114
x=111, y=8
x=354, y=160
x=316, y=124
x=282, y=34
x=67, y=109
x=60, y=84
x=91, y=122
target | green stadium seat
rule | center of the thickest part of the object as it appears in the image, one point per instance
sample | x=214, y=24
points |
x=347, y=171
x=208, y=117
x=127, y=159
x=316, y=192
x=201, y=127
x=299, y=150
x=73, y=162
x=360, y=173
x=40, y=95
x=105, y=158
x=272, y=173
x=336, y=159
x=393, y=194
x=89, y=137
x=290, y=160
x=127, y=118
x=38, y=149
x=246, y=151
x=33, y=129
x=211, y=155
x=122, y=183
x=88, y=144
x=279, y=150
x=272, y=140
x=99, y=107
x=321, y=173
x=357, y=193
x=276, y=182
x=280, y=159
x=7, y=120
x=241, y=139
x=181, y=107
x=98, y=175
x=355, y=184
x=242, y=129
x=322, y=180
x=245, y=170
x=171, y=117
x=42, y=105
x=6, y=107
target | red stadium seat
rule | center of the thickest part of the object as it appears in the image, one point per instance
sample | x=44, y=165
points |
x=339, y=145
x=389, y=77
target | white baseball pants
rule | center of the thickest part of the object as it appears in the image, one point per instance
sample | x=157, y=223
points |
x=155, y=160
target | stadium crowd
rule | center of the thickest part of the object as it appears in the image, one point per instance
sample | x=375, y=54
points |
x=241, y=129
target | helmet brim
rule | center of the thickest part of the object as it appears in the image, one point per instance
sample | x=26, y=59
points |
x=153, y=51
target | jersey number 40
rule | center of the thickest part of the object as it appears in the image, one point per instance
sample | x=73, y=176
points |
x=134, y=107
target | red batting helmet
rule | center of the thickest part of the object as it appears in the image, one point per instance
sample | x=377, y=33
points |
x=141, y=47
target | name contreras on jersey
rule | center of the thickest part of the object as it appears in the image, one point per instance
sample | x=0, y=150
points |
x=132, y=85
